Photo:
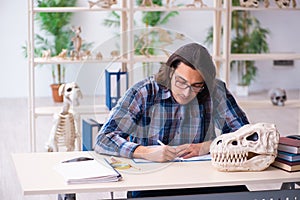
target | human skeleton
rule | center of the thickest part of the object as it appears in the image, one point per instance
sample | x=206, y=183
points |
x=251, y=148
x=64, y=132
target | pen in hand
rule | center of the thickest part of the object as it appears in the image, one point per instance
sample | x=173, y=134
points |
x=171, y=150
x=160, y=142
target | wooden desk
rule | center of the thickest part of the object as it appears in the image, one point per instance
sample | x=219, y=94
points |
x=37, y=176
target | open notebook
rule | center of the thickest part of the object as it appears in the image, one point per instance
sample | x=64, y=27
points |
x=196, y=158
x=88, y=171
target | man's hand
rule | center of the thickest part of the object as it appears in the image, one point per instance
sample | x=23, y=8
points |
x=155, y=153
x=191, y=150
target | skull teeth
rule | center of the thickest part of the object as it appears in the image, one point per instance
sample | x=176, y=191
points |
x=229, y=158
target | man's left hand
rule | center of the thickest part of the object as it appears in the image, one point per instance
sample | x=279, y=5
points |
x=192, y=150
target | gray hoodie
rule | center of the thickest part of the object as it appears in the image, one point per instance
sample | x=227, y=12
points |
x=197, y=56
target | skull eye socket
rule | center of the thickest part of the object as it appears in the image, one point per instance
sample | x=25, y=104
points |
x=253, y=137
x=277, y=98
x=284, y=97
x=69, y=89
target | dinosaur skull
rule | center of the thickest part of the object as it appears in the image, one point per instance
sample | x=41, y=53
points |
x=251, y=148
x=278, y=96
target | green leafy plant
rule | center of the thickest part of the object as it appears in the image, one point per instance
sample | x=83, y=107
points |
x=248, y=36
x=55, y=26
x=55, y=34
x=149, y=19
x=153, y=19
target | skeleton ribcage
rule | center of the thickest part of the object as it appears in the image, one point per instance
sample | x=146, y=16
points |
x=65, y=132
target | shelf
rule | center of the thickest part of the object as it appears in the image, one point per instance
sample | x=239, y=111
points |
x=146, y=9
x=163, y=58
x=238, y=8
x=266, y=56
x=81, y=110
x=267, y=104
x=136, y=59
x=157, y=58
x=69, y=61
x=176, y=8
x=76, y=9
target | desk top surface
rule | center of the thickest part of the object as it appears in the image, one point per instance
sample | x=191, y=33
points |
x=37, y=176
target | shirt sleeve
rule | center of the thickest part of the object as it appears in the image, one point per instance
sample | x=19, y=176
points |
x=113, y=138
x=227, y=114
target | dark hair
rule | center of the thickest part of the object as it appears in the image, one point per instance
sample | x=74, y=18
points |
x=195, y=56
x=163, y=77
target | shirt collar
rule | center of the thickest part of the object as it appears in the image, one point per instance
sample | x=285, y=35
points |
x=166, y=93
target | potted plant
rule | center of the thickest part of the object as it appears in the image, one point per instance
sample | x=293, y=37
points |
x=247, y=37
x=55, y=27
x=56, y=36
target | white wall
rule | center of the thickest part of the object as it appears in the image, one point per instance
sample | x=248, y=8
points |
x=284, y=27
x=284, y=37
x=13, y=76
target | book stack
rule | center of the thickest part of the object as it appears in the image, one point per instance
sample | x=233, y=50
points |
x=288, y=157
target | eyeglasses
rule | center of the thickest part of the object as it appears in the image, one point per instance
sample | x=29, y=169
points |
x=182, y=84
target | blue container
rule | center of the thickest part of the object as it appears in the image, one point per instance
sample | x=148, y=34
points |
x=111, y=101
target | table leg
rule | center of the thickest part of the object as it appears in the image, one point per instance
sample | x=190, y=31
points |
x=111, y=195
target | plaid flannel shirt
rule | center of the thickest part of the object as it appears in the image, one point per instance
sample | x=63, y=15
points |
x=148, y=112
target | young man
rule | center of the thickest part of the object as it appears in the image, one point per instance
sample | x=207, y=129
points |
x=181, y=106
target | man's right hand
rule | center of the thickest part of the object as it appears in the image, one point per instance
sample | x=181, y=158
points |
x=157, y=153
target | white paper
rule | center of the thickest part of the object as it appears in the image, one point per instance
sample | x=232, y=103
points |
x=195, y=158
x=87, y=172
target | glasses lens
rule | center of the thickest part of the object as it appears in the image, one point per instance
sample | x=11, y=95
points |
x=197, y=88
x=181, y=85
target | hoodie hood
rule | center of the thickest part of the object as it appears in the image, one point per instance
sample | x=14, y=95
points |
x=197, y=56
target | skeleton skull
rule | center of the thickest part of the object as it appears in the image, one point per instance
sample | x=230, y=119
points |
x=71, y=92
x=278, y=96
x=279, y=3
x=251, y=148
x=283, y=3
x=249, y=3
